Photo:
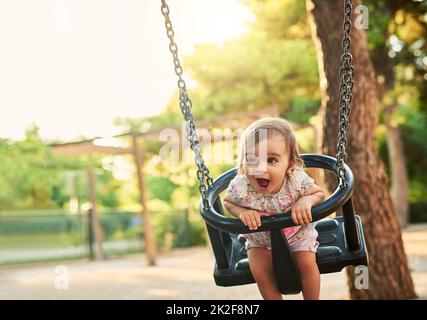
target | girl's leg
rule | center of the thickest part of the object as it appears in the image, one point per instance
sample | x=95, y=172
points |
x=309, y=273
x=261, y=264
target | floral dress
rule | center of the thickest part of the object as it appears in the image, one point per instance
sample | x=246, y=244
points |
x=295, y=185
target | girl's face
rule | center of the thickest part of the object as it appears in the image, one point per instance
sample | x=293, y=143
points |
x=267, y=163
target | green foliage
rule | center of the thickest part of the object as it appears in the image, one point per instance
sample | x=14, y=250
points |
x=160, y=188
x=32, y=177
x=414, y=132
x=27, y=173
x=302, y=109
x=273, y=64
x=418, y=212
x=397, y=38
x=179, y=228
x=284, y=19
x=251, y=73
x=107, y=189
x=117, y=226
x=145, y=124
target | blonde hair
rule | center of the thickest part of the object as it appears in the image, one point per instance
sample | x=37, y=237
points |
x=272, y=125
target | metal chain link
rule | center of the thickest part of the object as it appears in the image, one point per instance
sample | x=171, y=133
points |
x=205, y=180
x=346, y=74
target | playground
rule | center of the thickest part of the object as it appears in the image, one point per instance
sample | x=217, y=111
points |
x=178, y=274
x=163, y=153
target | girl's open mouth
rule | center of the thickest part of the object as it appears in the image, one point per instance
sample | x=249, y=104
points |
x=263, y=183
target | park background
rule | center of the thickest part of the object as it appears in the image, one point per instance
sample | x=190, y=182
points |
x=87, y=87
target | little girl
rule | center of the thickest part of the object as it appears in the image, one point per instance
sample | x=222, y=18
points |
x=270, y=181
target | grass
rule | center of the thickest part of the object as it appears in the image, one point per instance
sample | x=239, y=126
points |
x=38, y=240
x=107, y=253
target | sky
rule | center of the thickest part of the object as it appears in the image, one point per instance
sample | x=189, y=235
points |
x=72, y=66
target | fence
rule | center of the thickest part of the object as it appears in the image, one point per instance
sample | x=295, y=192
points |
x=38, y=236
x=44, y=236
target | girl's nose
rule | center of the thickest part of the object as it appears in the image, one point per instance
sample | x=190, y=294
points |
x=260, y=169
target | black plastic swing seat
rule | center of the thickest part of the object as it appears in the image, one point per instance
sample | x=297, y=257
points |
x=341, y=240
x=332, y=254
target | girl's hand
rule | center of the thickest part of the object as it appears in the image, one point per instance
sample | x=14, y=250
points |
x=301, y=211
x=252, y=218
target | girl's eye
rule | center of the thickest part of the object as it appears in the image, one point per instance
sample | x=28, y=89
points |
x=272, y=160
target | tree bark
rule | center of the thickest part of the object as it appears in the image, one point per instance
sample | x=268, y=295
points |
x=389, y=275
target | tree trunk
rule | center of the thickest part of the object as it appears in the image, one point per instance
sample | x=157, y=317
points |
x=96, y=221
x=389, y=275
x=147, y=229
x=399, y=175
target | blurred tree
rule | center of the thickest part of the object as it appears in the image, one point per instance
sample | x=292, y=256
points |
x=273, y=64
x=251, y=73
x=31, y=177
x=160, y=188
x=397, y=42
x=26, y=177
x=145, y=124
x=107, y=189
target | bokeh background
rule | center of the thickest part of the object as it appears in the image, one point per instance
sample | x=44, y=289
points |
x=87, y=86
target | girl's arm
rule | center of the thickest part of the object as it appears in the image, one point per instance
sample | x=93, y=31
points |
x=301, y=210
x=234, y=209
x=315, y=195
x=250, y=217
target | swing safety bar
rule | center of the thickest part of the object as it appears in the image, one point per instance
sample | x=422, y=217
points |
x=340, y=198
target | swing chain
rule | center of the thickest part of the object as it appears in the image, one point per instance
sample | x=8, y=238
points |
x=346, y=74
x=205, y=180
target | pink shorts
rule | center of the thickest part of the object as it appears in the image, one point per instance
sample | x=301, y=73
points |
x=304, y=240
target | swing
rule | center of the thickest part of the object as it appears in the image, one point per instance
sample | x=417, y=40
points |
x=341, y=240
